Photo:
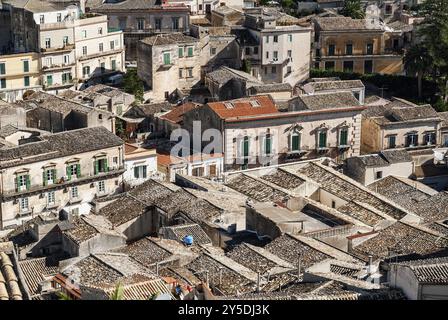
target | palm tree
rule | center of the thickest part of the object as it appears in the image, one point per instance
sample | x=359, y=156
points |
x=118, y=293
x=353, y=9
x=418, y=61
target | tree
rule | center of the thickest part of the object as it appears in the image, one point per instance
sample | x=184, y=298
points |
x=63, y=296
x=246, y=66
x=117, y=294
x=288, y=3
x=418, y=61
x=353, y=9
x=133, y=84
x=434, y=36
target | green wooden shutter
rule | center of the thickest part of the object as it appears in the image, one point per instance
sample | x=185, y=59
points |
x=2, y=68
x=267, y=145
x=144, y=171
x=246, y=147
x=28, y=182
x=78, y=170
x=181, y=52
x=190, y=51
x=54, y=176
x=136, y=172
x=295, y=143
x=69, y=173
x=344, y=136
x=16, y=183
x=322, y=139
x=166, y=58
x=106, y=167
x=96, y=166
x=44, y=178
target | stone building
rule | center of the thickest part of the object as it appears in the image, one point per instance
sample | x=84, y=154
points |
x=52, y=113
x=60, y=173
x=254, y=132
x=141, y=19
x=73, y=46
x=282, y=50
x=350, y=45
x=400, y=124
x=168, y=62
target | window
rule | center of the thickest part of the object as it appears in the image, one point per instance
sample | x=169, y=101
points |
x=50, y=80
x=158, y=24
x=112, y=45
x=333, y=204
x=349, y=49
x=26, y=81
x=59, y=17
x=343, y=137
x=245, y=147
x=26, y=66
x=175, y=23
x=65, y=41
x=115, y=160
x=101, y=166
x=348, y=66
x=66, y=77
x=267, y=39
x=255, y=50
x=368, y=66
x=445, y=140
x=113, y=64
x=331, y=50
x=49, y=176
x=23, y=203
x=190, y=51
x=49, y=61
x=275, y=38
x=166, y=58
x=181, y=52
x=295, y=141
x=197, y=172
x=322, y=143
x=267, y=54
x=103, y=67
x=100, y=47
x=101, y=186
x=288, y=69
x=100, y=30
x=369, y=48
x=329, y=65
x=140, y=24
x=430, y=138
x=412, y=140
x=84, y=50
x=247, y=50
x=275, y=55
x=51, y=198
x=212, y=51
x=180, y=73
x=2, y=68
x=388, y=9
x=267, y=144
x=47, y=43
x=86, y=71
x=2, y=83
x=273, y=70
x=200, y=7
x=23, y=182
x=140, y=172
x=73, y=170
x=289, y=53
x=66, y=59
x=84, y=33
x=290, y=37
x=378, y=175
x=74, y=192
x=42, y=19
x=189, y=72
x=392, y=141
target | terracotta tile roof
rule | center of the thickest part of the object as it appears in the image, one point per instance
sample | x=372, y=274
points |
x=243, y=107
x=177, y=114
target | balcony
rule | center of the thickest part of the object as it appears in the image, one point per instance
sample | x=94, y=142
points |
x=56, y=67
x=100, y=54
x=62, y=184
x=65, y=48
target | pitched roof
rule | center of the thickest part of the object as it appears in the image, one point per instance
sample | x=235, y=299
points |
x=35, y=271
x=176, y=115
x=434, y=271
x=325, y=101
x=179, y=232
x=168, y=38
x=346, y=24
x=317, y=86
x=257, y=105
x=60, y=144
